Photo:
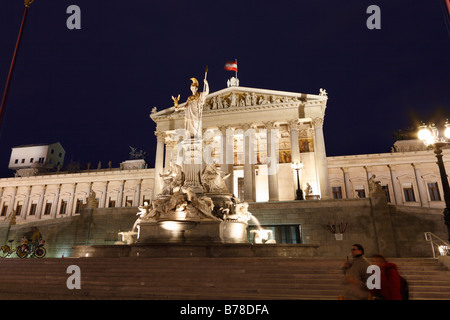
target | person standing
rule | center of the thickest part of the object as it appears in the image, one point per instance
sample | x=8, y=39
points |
x=355, y=275
x=390, y=282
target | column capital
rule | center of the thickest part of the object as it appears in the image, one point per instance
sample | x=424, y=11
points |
x=391, y=166
x=269, y=125
x=160, y=136
x=416, y=165
x=345, y=169
x=293, y=124
x=223, y=129
x=245, y=126
x=318, y=122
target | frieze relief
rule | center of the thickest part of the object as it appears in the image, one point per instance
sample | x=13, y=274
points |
x=240, y=100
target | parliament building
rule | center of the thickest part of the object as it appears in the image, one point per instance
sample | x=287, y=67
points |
x=258, y=138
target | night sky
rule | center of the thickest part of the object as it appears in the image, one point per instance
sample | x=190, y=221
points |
x=93, y=89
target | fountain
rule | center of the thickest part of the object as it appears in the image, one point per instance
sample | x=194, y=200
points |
x=194, y=203
x=194, y=214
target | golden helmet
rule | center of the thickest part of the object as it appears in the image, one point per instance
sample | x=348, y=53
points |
x=194, y=82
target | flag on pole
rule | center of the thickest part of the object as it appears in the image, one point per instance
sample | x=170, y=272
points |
x=231, y=66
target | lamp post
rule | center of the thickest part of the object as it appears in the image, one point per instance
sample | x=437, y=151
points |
x=430, y=137
x=298, y=166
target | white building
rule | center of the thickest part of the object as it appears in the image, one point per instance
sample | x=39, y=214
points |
x=31, y=159
x=243, y=127
x=249, y=126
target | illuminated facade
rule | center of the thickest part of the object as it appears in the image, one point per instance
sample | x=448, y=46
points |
x=244, y=129
x=255, y=135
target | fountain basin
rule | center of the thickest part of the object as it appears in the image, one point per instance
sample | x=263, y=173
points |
x=233, y=232
x=128, y=237
x=177, y=225
x=177, y=228
x=167, y=231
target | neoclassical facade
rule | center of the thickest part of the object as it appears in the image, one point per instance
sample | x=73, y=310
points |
x=254, y=135
x=409, y=176
x=62, y=194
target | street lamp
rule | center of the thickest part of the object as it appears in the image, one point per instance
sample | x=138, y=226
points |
x=298, y=166
x=430, y=137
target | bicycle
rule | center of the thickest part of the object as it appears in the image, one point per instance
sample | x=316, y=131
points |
x=7, y=251
x=33, y=250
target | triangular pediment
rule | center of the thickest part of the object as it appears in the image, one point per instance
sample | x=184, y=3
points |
x=235, y=98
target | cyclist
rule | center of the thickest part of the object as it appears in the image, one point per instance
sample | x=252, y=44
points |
x=33, y=236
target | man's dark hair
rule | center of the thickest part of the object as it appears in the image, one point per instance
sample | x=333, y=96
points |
x=360, y=247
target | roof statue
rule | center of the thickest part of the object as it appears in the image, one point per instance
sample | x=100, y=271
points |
x=134, y=155
x=323, y=92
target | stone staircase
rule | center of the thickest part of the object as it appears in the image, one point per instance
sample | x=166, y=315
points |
x=225, y=278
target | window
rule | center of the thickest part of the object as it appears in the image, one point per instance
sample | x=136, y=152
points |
x=48, y=208
x=78, y=206
x=33, y=209
x=145, y=199
x=409, y=194
x=129, y=202
x=16, y=161
x=63, y=207
x=279, y=233
x=386, y=191
x=41, y=160
x=18, y=208
x=360, y=193
x=433, y=189
x=111, y=203
x=52, y=151
x=23, y=160
x=4, y=210
x=337, y=192
x=31, y=160
x=60, y=154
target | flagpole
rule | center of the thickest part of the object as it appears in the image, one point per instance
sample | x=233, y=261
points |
x=236, y=68
x=13, y=62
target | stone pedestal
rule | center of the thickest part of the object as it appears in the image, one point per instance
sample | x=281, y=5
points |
x=192, y=164
x=203, y=231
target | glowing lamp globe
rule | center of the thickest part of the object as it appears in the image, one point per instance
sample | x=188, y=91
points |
x=424, y=134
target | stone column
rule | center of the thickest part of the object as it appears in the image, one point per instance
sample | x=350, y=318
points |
x=293, y=133
x=226, y=157
x=70, y=205
x=56, y=200
x=40, y=206
x=272, y=166
x=159, y=162
x=368, y=172
x=320, y=156
x=248, y=166
x=169, y=148
x=23, y=214
x=397, y=191
x=120, y=196
x=138, y=193
x=422, y=191
x=104, y=195
x=347, y=184
x=11, y=202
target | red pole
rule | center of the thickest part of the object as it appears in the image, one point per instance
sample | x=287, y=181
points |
x=447, y=2
x=13, y=62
